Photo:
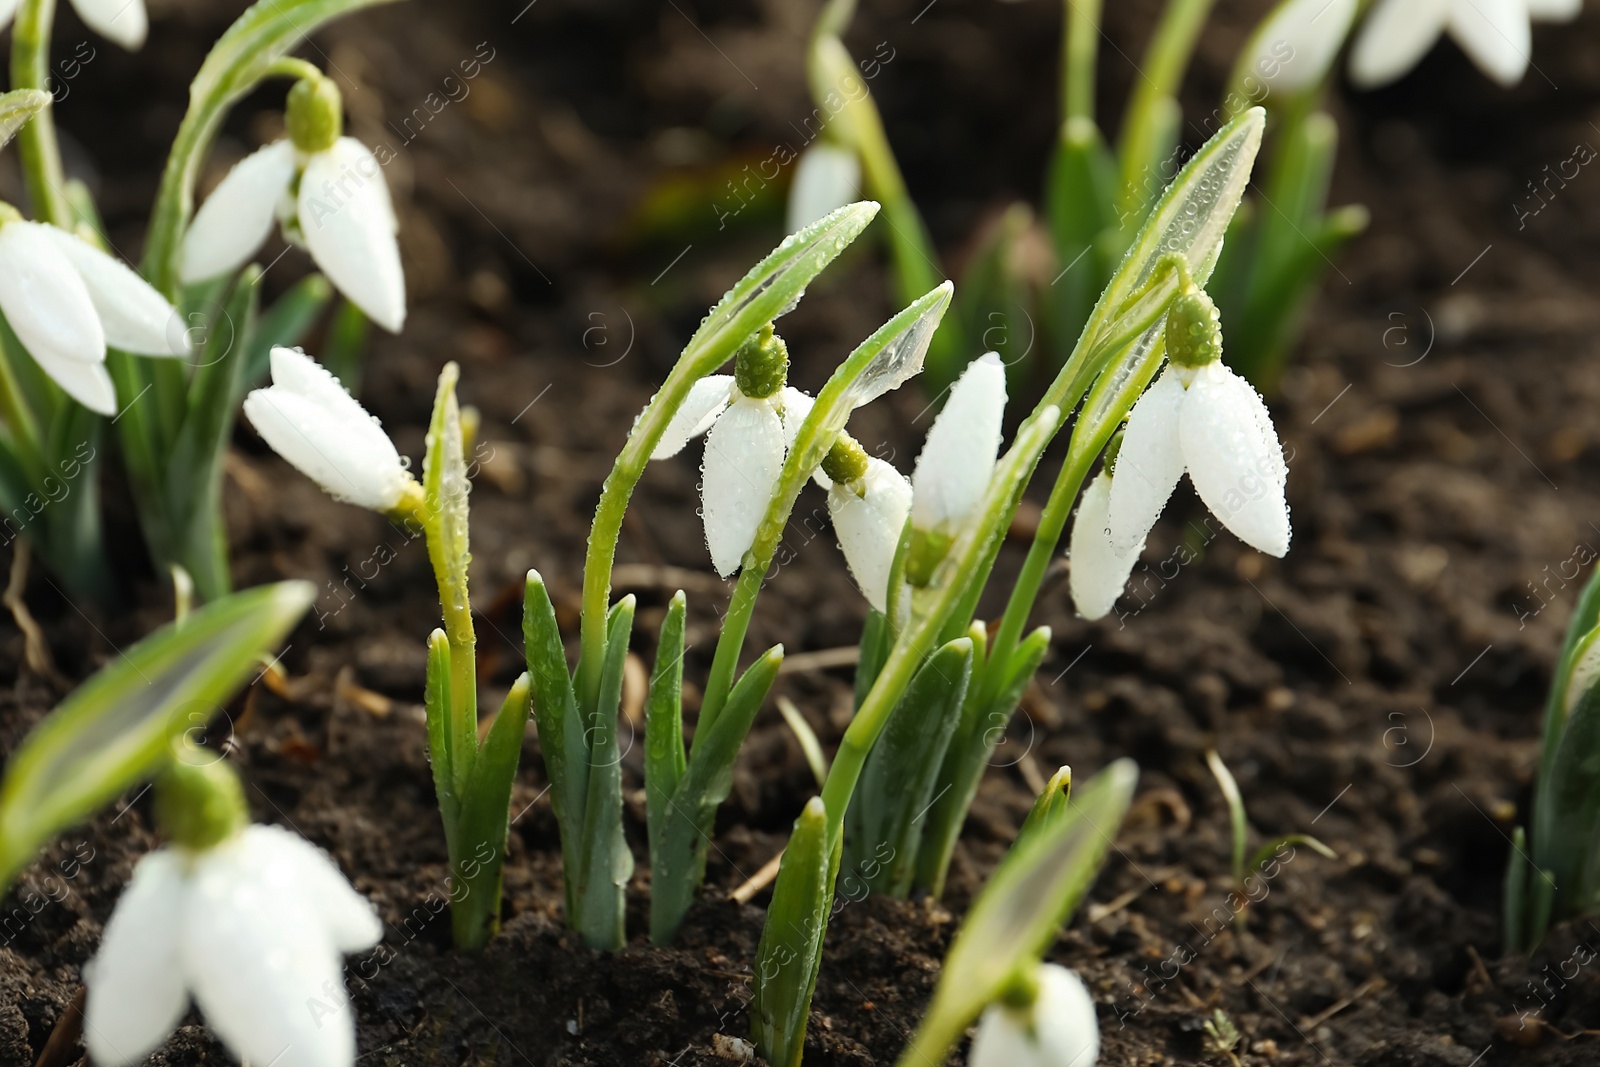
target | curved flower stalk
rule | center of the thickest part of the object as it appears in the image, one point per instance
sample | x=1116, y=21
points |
x=313, y=422
x=1495, y=35
x=328, y=195
x=1057, y=1028
x=67, y=301
x=250, y=921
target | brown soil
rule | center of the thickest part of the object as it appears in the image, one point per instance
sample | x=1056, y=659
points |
x=1380, y=688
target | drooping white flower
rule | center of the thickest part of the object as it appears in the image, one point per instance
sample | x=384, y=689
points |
x=1058, y=1029
x=339, y=210
x=747, y=439
x=1495, y=34
x=957, y=460
x=1296, y=45
x=310, y=420
x=1209, y=422
x=254, y=929
x=868, y=514
x=827, y=178
x=122, y=21
x=1099, y=572
x=67, y=301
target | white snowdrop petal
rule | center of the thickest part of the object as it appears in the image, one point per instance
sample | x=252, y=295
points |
x=135, y=982
x=261, y=965
x=1099, y=572
x=51, y=311
x=1297, y=44
x=1150, y=463
x=134, y=316
x=8, y=11
x=349, y=918
x=297, y=372
x=957, y=460
x=1495, y=34
x=869, y=527
x=349, y=227
x=826, y=178
x=744, y=455
x=122, y=21
x=238, y=215
x=707, y=397
x=1554, y=10
x=88, y=383
x=1394, y=37
x=350, y=463
x=1234, y=458
x=1059, y=1030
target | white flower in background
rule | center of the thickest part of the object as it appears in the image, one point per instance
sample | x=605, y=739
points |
x=750, y=418
x=1297, y=44
x=310, y=420
x=1495, y=34
x=67, y=301
x=1099, y=571
x=1201, y=418
x=254, y=929
x=328, y=194
x=1058, y=1029
x=957, y=460
x=827, y=178
x=122, y=21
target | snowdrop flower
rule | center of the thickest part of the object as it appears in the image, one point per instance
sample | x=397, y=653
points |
x=956, y=462
x=328, y=194
x=1058, y=1029
x=750, y=418
x=827, y=178
x=250, y=921
x=1099, y=572
x=67, y=301
x=310, y=420
x=1297, y=44
x=123, y=21
x=868, y=501
x=1494, y=33
x=1201, y=418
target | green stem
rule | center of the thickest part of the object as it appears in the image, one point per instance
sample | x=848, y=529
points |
x=730, y=642
x=1080, y=46
x=36, y=141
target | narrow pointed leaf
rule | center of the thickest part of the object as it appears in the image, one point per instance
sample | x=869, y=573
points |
x=605, y=861
x=1033, y=891
x=562, y=739
x=889, y=810
x=485, y=821
x=791, y=942
x=118, y=727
